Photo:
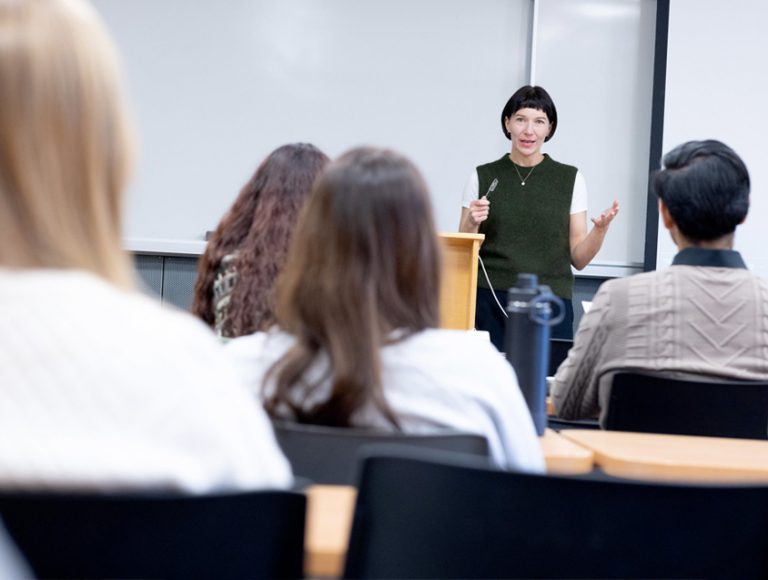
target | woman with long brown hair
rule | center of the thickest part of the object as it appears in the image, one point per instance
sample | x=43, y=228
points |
x=100, y=387
x=234, y=290
x=357, y=306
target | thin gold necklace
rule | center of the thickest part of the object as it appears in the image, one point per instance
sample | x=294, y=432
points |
x=522, y=181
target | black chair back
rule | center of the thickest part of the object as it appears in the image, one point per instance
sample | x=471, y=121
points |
x=329, y=455
x=419, y=518
x=243, y=535
x=659, y=403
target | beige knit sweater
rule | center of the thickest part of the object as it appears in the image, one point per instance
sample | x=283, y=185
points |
x=691, y=319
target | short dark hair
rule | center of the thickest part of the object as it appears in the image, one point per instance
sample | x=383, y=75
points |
x=530, y=97
x=705, y=186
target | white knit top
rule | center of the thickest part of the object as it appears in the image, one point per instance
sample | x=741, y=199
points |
x=102, y=388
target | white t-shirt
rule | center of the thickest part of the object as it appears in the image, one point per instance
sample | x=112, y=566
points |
x=104, y=389
x=433, y=379
x=578, y=198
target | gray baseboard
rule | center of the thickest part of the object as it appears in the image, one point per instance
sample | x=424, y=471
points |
x=172, y=279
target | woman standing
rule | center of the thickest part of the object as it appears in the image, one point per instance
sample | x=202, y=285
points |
x=538, y=223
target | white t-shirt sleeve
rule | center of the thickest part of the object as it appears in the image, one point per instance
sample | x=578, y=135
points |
x=579, y=196
x=471, y=189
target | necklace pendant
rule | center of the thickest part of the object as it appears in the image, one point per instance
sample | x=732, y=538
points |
x=520, y=175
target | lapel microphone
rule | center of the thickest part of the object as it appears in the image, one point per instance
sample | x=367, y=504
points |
x=493, y=185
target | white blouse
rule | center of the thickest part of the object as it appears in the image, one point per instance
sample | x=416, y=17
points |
x=433, y=379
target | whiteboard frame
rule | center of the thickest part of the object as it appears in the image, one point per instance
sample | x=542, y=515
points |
x=657, y=131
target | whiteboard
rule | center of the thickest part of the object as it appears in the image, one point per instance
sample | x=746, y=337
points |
x=716, y=89
x=217, y=85
x=595, y=57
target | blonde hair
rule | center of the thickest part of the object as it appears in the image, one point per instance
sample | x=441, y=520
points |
x=66, y=144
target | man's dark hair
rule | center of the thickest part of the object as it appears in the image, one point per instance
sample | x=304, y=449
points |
x=705, y=187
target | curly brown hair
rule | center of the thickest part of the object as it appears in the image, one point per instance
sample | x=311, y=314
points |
x=257, y=230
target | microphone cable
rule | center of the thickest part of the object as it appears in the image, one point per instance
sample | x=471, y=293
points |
x=493, y=292
x=491, y=188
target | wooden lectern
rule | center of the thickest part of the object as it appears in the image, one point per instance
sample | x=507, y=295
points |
x=458, y=290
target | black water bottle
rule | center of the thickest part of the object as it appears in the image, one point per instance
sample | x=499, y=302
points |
x=529, y=307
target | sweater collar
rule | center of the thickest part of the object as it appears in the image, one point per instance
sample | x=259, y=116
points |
x=709, y=258
x=544, y=160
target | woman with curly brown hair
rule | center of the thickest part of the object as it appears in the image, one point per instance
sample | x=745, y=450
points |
x=357, y=309
x=234, y=290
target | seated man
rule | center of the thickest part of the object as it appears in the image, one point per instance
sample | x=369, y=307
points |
x=706, y=314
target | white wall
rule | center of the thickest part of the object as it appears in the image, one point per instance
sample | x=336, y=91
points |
x=716, y=89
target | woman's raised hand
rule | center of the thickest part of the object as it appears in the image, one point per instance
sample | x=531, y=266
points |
x=605, y=218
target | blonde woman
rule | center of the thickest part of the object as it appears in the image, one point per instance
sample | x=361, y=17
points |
x=99, y=387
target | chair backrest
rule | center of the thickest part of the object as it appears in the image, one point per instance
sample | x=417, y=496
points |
x=558, y=352
x=329, y=455
x=659, y=403
x=242, y=535
x=418, y=518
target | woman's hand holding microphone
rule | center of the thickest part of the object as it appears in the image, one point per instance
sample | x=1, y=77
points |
x=478, y=211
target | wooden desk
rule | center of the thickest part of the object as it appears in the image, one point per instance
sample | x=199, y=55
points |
x=330, y=508
x=563, y=456
x=329, y=521
x=675, y=457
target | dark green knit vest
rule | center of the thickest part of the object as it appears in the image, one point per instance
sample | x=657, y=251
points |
x=528, y=226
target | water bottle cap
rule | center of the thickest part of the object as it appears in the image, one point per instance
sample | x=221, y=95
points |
x=526, y=281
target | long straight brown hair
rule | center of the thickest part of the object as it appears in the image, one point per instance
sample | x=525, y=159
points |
x=363, y=270
x=259, y=227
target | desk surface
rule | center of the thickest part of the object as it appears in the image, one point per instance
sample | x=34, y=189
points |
x=563, y=456
x=330, y=507
x=329, y=520
x=675, y=457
